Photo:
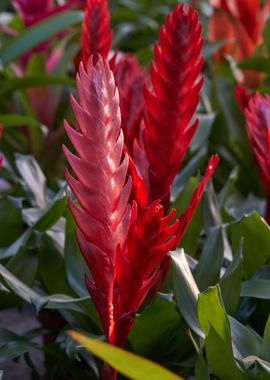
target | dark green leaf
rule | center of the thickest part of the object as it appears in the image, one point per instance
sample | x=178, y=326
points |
x=38, y=33
x=185, y=290
x=256, y=234
x=231, y=282
x=218, y=345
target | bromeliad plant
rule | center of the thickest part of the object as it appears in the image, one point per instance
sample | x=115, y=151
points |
x=123, y=231
x=137, y=259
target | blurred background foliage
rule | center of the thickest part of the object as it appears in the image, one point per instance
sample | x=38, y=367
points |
x=221, y=333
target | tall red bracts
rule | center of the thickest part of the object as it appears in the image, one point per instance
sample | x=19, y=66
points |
x=96, y=30
x=122, y=227
x=257, y=114
x=120, y=247
x=241, y=22
x=172, y=98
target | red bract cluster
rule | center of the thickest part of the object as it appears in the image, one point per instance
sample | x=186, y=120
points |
x=240, y=21
x=125, y=169
x=172, y=99
x=257, y=114
x=96, y=32
x=130, y=78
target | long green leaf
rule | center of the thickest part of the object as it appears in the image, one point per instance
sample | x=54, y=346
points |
x=37, y=34
x=218, y=344
x=14, y=84
x=131, y=365
x=185, y=290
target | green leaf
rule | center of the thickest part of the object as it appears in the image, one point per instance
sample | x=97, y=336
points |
x=246, y=342
x=16, y=120
x=143, y=337
x=256, y=288
x=218, y=345
x=34, y=179
x=228, y=187
x=53, y=213
x=54, y=301
x=201, y=370
x=207, y=272
x=185, y=290
x=74, y=263
x=15, y=349
x=265, y=353
x=130, y=365
x=256, y=234
x=10, y=220
x=9, y=85
x=260, y=64
x=38, y=33
x=190, y=239
x=231, y=282
x=52, y=268
x=186, y=173
x=205, y=126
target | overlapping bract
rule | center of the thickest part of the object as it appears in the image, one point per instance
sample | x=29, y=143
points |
x=121, y=246
x=172, y=99
x=96, y=31
x=101, y=187
x=241, y=22
x=257, y=115
x=130, y=79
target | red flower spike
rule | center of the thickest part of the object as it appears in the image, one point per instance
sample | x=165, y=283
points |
x=101, y=187
x=130, y=79
x=173, y=98
x=240, y=21
x=258, y=127
x=96, y=31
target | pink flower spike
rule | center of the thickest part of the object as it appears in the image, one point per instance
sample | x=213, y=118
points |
x=101, y=187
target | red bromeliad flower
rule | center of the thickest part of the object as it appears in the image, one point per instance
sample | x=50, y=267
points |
x=116, y=242
x=122, y=227
x=96, y=32
x=122, y=242
x=172, y=99
x=241, y=21
x=257, y=114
